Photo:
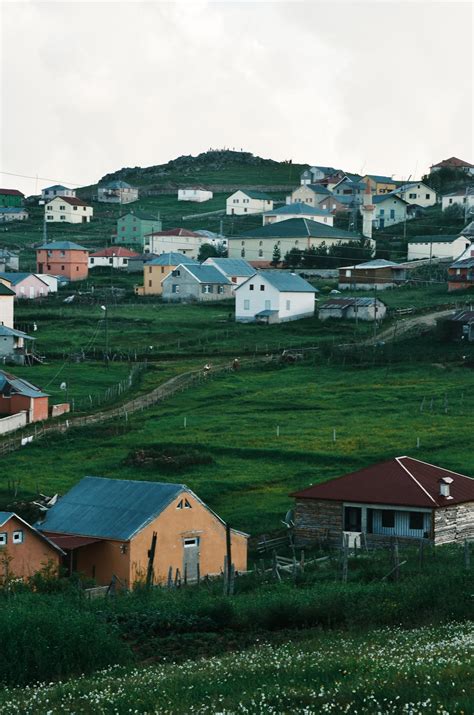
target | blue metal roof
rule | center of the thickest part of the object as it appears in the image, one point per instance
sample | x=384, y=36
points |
x=206, y=274
x=109, y=508
x=16, y=278
x=5, y=516
x=297, y=228
x=12, y=210
x=15, y=385
x=56, y=187
x=285, y=282
x=6, y=332
x=317, y=188
x=391, y=195
x=297, y=208
x=171, y=259
x=62, y=246
x=232, y=266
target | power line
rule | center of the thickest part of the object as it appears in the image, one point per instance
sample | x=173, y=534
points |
x=42, y=178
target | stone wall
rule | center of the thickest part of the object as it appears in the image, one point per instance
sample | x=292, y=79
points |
x=454, y=523
x=315, y=520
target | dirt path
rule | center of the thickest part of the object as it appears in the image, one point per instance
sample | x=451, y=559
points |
x=404, y=325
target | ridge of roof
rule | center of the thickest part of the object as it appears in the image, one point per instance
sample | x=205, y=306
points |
x=398, y=459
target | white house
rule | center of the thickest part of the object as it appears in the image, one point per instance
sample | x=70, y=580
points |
x=175, y=240
x=7, y=298
x=437, y=247
x=12, y=213
x=298, y=210
x=117, y=192
x=273, y=297
x=112, y=257
x=389, y=209
x=416, y=193
x=68, y=209
x=461, y=197
x=243, y=202
x=197, y=194
x=318, y=173
x=236, y=270
x=310, y=194
x=57, y=190
x=51, y=281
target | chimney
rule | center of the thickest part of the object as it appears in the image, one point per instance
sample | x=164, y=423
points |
x=444, y=487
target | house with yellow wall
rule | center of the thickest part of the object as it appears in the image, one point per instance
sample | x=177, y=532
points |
x=106, y=527
x=156, y=270
x=379, y=184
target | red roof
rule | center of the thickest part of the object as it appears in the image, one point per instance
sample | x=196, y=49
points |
x=175, y=232
x=401, y=481
x=73, y=200
x=11, y=192
x=452, y=162
x=70, y=541
x=119, y=252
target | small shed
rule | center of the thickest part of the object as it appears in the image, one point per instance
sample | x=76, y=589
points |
x=378, y=273
x=352, y=309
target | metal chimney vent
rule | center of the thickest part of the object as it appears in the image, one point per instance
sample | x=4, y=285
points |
x=444, y=487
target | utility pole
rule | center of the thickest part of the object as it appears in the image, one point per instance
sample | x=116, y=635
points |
x=106, y=330
x=375, y=312
x=431, y=259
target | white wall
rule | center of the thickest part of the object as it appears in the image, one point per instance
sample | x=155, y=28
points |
x=420, y=194
x=239, y=204
x=50, y=281
x=438, y=250
x=307, y=196
x=389, y=212
x=328, y=220
x=52, y=193
x=6, y=310
x=198, y=195
x=249, y=302
x=187, y=245
x=457, y=201
x=61, y=211
x=119, y=262
x=13, y=422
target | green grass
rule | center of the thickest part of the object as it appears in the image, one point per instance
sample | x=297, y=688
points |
x=425, y=671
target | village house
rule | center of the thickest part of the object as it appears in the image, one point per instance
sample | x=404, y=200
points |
x=369, y=309
x=459, y=326
x=351, y=185
x=310, y=194
x=274, y=297
x=13, y=213
x=402, y=498
x=378, y=273
x=197, y=194
x=245, y=201
x=7, y=298
x=106, y=528
x=68, y=209
x=389, y=210
x=13, y=345
x=117, y=192
x=8, y=260
x=112, y=257
x=136, y=264
x=320, y=174
x=23, y=549
x=26, y=285
x=298, y=210
x=134, y=226
x=379, y=184
x=57, y=190
x=420, y=247
x=18, y=395
x=157, y=268
x=461, y=272
x=336, y=204
x=462, y=197
x=63, y=258
x=236, y=270
x=453, y=163
x=257, y=245
x=417, y=193
x=193, y=282
x=175, y=240
x=11, y=197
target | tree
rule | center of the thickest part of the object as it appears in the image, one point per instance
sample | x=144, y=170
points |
x=293, y=258
x=208, y=250
x=276, y=257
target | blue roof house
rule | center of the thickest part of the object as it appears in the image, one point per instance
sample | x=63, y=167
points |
x=274, y=297
x=199, y=283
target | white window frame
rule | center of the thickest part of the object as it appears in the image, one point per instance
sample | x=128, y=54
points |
x=18, y=537
x=3, y=538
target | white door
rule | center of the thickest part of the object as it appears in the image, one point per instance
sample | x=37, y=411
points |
x=32, y=292
x=191, y=558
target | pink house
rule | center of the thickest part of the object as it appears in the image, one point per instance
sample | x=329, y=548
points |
x=26, y=285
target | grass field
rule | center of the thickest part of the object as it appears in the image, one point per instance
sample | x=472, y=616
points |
x=426, y=671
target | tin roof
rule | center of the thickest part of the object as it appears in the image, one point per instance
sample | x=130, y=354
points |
x=171, y=259
x=119, y=252
x=109, y=508
x=341, y=303
x=13, y=210
x=297, y=208
x=205, y=274
x=432, y=239
x=15, y=278
x=375, y=263
x=10, y=192
x=7, y=332
x=254, y=194
x=142, y=215
x=231, y=266
x=118, y=184
x=285, y=282
x=72, y=200
x=7, y=515
x=297, y=228
x=56, y=187
x=175, y=232
x=402, y=481
x=463, y=316
x=9, y=384
x=61, y=246
x=317, y=188
x=452, y=162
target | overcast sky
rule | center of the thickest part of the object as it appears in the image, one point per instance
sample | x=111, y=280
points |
x=90, y=87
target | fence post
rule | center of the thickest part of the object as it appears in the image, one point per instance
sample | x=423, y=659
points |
x=467, y=555
x=345, y=555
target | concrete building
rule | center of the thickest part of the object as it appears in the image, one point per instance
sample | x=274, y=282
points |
x=461, y=272
x=7, y=298
x=236, y=270
x=351, y=185
x=27, y=549
x=11, y=197
x=462, y=197
x=453, y=163
x=317, y=174
x=353, y=309
x=18, y=395
x=402, y=497
x=309, y=194
x=13, y=346
x=63, y=258
x=57, y=190
x=135, y=265
x=273, y=297
x=417, y=193
x=389, y=210
x=175, y=240
x=197, y=194
x=379, y=274
x=113, y=257
x=26, y=285
x=379, y=184
x=68, y=209
x=156, y=269
x=134, y=226
x=298, y=210
x=106, y=528
x=195, y=283
x=244, y=201
x=13, y=213
x=9, y=260
x=437, y=247
x=257, y=245
x=117, y=192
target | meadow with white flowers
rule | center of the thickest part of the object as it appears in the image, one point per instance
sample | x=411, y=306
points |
x=422, y=671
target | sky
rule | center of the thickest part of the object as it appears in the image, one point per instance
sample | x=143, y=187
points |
x=90, y=87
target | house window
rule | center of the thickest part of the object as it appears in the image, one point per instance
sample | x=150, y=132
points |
x=427, y=196
x=260, y=253
x=242, y=252
x=3, y=539
x=49, y=267
x=150, y=283
x=123, y=550
x=251, y=286
x=220, y=289
x=62, y=268
x=175, y=288
x=382, y=212
x=92, y=260
x=243, y=243
x=260, y=243
x=392, y=213
x=207, y=289
x=235, y=201
x=246, y=305
x=388, y=519
x=416, y=520
x=150, y=269
x=412, y=196
x=62, y=208
x=189, y=543
x=63, y=218
x=262, y=287
x=18, y=537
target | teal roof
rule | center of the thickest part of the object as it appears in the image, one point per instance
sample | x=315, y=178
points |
x=256, y=194
x=381, y=179
x=317, y=188
x=297, y=208
x=233, y=266
x=15, y=278
x=172, y=259
x=432, y=239
x=109, y=508
x=391, y=196
x=5, y=290
x=286, y=282
x=7, y=332
x=141, y=215
x=9, y=384
x=62, y=246
x=206, y=274
x=298, y=228
x=5, y=516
